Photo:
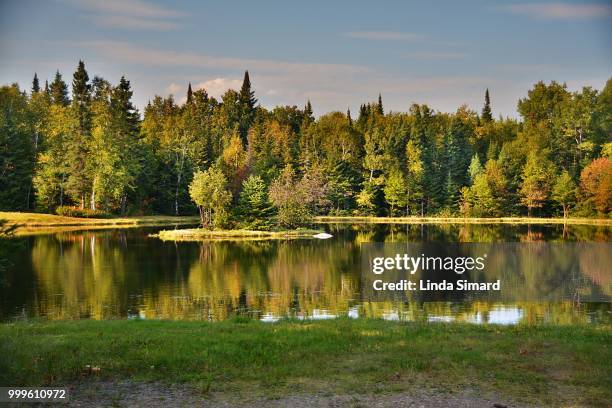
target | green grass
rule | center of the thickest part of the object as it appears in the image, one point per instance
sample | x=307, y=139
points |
x=463, y=220
x=196, y=234
x=542, y=365
x=34, y=223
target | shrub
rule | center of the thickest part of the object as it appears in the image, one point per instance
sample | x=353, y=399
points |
x=67, y=211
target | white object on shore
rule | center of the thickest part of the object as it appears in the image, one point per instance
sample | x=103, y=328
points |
x=322, y=235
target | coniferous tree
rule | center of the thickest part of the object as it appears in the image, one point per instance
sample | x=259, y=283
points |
x=16, y=152
x=79, y=181
x=348, y=115
x=59, y=90
x=308, y=111
x=254, y=208
x=379, y=106
x=487, y=116
x=247, y=103
x=35, y=84
x=189, y=94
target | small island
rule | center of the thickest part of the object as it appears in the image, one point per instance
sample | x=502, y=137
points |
x=197, y=234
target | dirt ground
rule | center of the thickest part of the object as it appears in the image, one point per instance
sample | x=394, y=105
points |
x=153, y=395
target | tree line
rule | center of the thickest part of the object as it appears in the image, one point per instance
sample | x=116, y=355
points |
x=90, y=152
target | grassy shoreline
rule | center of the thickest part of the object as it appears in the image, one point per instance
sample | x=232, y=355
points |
x=461, y=220
x=51, y=220
x=541, y=365
x=196, y=234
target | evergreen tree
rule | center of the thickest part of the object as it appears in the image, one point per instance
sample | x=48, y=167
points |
x=379, y=106
x=79, y=181
x=308, y=111
x=35, y=84
x=189, y=94
x=487, y=116
x=457, y=158
x=247, y=103
x=254, y=209
x=16, y=150
x=348, y=116
x=59, y=90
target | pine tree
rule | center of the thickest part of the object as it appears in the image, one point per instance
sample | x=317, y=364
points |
x=379, y=107
x=189, y=94
x=246, y=101
x=308, y=110
x=35, y=84
x=486, y=110
x=253, y=206
x=59, y=90
x=77, y=149
x=348, y=115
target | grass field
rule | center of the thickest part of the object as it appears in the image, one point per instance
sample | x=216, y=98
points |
x=34, y=223
x=541, y=365
x=461, y=220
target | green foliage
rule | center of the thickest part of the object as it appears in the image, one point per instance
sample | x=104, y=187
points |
x=59, y=90
x=16, y=150
x=69, y=211
x=487, y=116
x=208, y=190
x=396, y=192
x=94, y=151
x=536, y=182
x=564, y=192
x=290, y=202
x=254, y=209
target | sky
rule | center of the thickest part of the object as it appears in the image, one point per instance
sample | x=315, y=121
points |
x=337, y=54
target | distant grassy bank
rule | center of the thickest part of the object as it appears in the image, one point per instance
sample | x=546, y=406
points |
x=542, y=365
x=463, y=220
x=34, y=222
x=196, y=234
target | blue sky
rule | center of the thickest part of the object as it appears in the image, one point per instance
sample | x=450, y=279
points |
x=337, y=54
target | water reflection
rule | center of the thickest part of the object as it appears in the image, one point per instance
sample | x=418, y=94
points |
x=126, y=274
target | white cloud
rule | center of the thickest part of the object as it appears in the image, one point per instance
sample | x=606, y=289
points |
x=132, y=23
x=126, y=52
x=559, y=11
x=173, y=89
x=217, y=87
x=129, y=14
x=136, y=8
x=384, y=36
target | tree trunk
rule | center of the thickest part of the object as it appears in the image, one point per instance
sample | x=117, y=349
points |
x=92, y=200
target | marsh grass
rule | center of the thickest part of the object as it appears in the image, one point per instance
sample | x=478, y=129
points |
x=543, y=365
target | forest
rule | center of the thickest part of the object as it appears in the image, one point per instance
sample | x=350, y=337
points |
x=89, y=152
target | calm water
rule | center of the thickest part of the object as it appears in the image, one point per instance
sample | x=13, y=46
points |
x=124, y=273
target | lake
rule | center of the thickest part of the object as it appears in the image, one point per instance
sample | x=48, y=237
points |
x=125, y=273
